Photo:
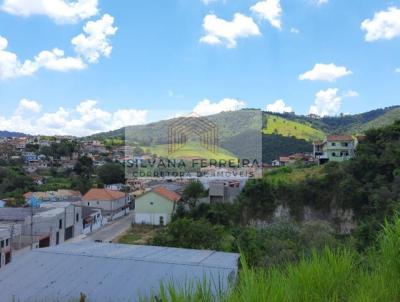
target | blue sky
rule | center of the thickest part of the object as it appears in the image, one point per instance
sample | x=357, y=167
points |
x=139, y=61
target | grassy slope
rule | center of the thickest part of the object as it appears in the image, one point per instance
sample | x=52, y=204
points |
x=281, y=126
x=291, y=175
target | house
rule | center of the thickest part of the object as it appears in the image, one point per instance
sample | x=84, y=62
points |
x=156, y=206
x=92, y=219
x=113, y=204
x=51, y=224
x=221, y=191
x=5, y=247
x=336, y=148
x=106, y=272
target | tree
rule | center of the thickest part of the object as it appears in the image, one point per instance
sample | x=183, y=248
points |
x=84, y=167
x=189, y=233
x=193, y=191
x=111, y=173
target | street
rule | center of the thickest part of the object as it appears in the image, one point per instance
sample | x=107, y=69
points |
x=112, y=230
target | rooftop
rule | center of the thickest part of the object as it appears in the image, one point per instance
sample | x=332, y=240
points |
x=17, y=214
x=167, y=194
x=103, y=195
x=111, y=272
x=339, y=138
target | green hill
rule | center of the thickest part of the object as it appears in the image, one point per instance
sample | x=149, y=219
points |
x=285, y=127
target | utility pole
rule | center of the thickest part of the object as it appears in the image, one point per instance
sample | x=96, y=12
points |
x=11, y=241
x=31, y=226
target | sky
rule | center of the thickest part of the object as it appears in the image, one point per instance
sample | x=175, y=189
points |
x=87, y=66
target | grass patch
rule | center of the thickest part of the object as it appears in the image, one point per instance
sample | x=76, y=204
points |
x=281, y=126
x=139, y=234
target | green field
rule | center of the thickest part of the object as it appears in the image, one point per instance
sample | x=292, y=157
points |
x=284, y=127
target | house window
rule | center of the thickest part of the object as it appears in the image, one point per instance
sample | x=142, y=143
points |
x=77, y=217
x=6, y=242
x=333, y=154
x=345, y=144
x=60, y=224
x=57, y=238
x=88, y=204
x=152, y=203
x=161, y=220
x=2, y=243
x=333, y=144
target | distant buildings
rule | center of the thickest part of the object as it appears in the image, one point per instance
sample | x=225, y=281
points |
x=222, y=191
x=156, y=206
x=55, y=196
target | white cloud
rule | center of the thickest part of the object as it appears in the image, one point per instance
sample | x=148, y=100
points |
x=207, y=2
x=206, y=107
x=351, y=94
x=220, y=31
x=270, y=10
x=94, y=42
x=279, y=106
x=61, y=11
x=325, y=72
x=327, y=102
x=294, y=30
x=87, y=118
x=12, y=67
x=385, y=25
x=26, y=106
x=55, y=60
x=397, y=70
x=320, y=2
x=89, y=46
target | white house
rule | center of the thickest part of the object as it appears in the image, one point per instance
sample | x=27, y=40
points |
x=113, y=204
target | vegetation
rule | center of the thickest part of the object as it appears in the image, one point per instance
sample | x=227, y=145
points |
x=339, y=274
x=14, y=183
x=192, y=193
x=111, y=173
x=368, y=186
x=281, y=126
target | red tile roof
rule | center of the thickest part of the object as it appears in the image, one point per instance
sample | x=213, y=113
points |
x=339, y=138
x=103, y=195
x=175, y=197
x=284, y=159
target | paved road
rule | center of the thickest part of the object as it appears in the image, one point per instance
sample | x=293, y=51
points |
x=112, y=230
